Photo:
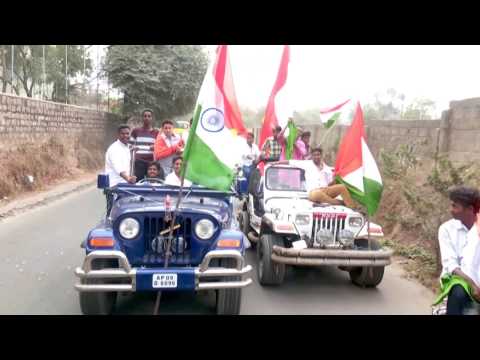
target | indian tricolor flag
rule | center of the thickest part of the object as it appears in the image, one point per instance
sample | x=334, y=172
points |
x=214, y=144
x=330, y=116
x=356, y=168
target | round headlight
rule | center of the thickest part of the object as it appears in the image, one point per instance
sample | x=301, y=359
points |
x=302, y=219
x=129, y=228
x=355, y=221
x=204, y=229
x=346, y=237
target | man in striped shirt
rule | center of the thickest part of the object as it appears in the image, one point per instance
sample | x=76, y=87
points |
x=143, y=139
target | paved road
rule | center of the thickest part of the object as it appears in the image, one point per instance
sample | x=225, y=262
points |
x=40, y=249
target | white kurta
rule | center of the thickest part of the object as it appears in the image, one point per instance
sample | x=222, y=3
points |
x=452, y=237
x=117, y=160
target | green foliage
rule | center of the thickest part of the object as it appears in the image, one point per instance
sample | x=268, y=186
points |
x=396, y=163
x=28, y=68
x=166, y=78
x=446, y=175
x=391, y=105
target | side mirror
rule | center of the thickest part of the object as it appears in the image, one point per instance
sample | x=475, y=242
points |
x=103, y=181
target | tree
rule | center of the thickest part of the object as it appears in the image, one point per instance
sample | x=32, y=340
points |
x=252, y=118
x=166, y=78
x=28, y=68
x=390, y=105
x=420, y=109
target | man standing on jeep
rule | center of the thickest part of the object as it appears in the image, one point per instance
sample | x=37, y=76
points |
x=319, y=181
x=272, y=148
x=118, y=162
x=143, y=138
x=167, y=146
x=453, y=240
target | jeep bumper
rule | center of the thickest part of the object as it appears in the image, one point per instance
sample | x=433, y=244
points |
x=316, y=257
x=126, y=278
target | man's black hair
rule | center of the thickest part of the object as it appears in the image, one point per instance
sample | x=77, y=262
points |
x=306, y=133
x=161, y=173
x=147, y=110
x=164, y=122
x=175, y=158
x=123, y=126
x=156, y=164
x=251, y=134
x=465, y=196
x=317, y=149
x=278, y=128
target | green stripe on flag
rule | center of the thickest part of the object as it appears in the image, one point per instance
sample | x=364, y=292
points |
x=373, y=194
x=370, y=198
x=292, y=136
x=330, y=122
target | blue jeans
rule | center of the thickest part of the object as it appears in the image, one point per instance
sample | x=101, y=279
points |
x=458, y=301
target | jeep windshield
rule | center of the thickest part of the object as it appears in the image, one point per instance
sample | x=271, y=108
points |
x=285, y=179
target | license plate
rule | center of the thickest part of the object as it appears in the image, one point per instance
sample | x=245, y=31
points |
x=163, y=281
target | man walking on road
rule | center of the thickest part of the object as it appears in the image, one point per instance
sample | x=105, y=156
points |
x=453, y=237
x=143, y=138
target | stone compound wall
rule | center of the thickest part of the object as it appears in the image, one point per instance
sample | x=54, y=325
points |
x=457, y=134
x=26, y=120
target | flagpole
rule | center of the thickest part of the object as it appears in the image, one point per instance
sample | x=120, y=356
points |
x=170, y=234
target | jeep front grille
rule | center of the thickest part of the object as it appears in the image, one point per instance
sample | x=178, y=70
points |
x=180, y=255
x=333, y=222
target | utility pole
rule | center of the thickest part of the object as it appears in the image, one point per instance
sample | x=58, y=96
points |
x=98, y=74
x=44, y=73
x=13, y=59
x=66, y=76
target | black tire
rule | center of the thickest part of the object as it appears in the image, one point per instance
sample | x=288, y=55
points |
x=367, y=276
x=244, y=222
x=229, y=301
x=98, y=303
x=269, y=272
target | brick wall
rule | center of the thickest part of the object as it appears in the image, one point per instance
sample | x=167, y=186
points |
x=25, y=120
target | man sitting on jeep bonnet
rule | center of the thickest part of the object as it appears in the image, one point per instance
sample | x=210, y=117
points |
x=319, y=180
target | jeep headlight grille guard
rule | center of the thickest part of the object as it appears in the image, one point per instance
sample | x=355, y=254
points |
x=332, y=223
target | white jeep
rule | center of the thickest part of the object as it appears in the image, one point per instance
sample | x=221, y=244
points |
x=289, y=229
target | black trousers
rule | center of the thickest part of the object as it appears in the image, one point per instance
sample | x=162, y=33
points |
x=458, y=301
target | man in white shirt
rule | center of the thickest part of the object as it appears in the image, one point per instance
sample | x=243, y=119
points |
x=118, y=159
x=453, y=240
x=118, y=162
x=319, y=181
x=174, y=177
x=252, y=152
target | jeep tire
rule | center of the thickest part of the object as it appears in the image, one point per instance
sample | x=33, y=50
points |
x=229, y=301
x=244, y=222
x=98, y=303
x=269, y=272
x=367, y=276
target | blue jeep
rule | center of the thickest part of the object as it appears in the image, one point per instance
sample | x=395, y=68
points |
x=126, y=251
